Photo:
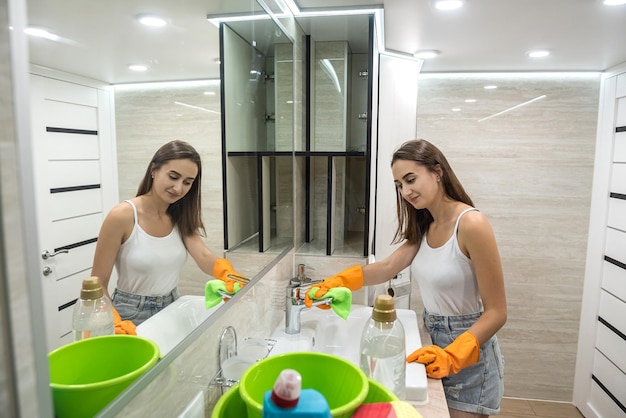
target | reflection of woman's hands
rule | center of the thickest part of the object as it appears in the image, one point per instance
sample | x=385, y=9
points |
x=123, y=327
x=441, y=362
x=225, y=272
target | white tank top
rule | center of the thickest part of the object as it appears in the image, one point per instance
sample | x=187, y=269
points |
x=148, y=265
x=446, y=277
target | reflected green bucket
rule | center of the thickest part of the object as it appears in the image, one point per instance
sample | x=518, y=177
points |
x=86, y=375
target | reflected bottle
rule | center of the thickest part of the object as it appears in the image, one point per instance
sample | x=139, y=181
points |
x=383, y=347
x=93, y=312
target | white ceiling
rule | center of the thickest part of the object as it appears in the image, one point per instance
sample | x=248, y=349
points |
x=102, y=37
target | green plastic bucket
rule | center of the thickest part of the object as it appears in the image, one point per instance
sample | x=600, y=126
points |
x=341, y=382
x=379, y=393
x=86, y=375
x=231, y=405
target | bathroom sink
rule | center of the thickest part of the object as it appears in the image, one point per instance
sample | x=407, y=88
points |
x=170, y=326
x=324, y=331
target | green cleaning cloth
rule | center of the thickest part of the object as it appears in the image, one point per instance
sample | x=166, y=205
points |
x=212, y=296
x=341, y=299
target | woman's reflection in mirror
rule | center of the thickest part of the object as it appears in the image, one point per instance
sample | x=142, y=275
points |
x=147, y=238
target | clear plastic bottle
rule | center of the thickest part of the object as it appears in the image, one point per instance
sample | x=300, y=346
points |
x=93, y=313
x=383, y=355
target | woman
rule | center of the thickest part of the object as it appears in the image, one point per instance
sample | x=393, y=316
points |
x=452, y=252
x=147, y=238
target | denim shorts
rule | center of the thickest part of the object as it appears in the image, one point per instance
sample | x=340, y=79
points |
x=138, y=308
x=478, y=388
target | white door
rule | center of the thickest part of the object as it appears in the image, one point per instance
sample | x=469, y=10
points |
x=76, y=184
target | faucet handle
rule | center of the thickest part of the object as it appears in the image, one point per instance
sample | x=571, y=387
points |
x=301, y=273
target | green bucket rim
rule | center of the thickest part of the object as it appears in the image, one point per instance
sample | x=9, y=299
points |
x=116, y=380
x=341, y=410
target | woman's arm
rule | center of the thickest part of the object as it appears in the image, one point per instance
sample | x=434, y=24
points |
x=386, y=269
x=115, y=229
x=477, y=241
x=201, y=254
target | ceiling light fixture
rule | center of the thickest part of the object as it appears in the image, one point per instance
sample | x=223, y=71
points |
x=426, y=54
x=151, y=20
x=491, y=87
x=448, y=4
x=538, y=53
x=614, y=2
x=137, y=67
x=470, y=100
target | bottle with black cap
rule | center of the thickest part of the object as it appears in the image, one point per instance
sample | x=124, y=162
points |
x=93, y=313
x=383, y=355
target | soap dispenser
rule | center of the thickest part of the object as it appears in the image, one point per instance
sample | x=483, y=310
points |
x=383, y=347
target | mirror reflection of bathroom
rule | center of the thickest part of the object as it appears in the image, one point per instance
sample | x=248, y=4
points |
x=337, y=151
x=258, y=136
x=108, y=122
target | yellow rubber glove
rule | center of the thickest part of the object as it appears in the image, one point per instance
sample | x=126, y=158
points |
x=222, y=269
x=123, y=327
x=441, y=362
x=352, y=278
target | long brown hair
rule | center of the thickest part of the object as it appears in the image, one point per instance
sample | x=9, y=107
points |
x=186, y=212
x=413, y=223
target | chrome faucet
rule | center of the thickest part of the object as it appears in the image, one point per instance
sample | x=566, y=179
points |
x=294, y=300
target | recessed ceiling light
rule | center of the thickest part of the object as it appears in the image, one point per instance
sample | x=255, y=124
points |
x=491, y=87
x=426, y=54
x=137, y=67
x=613, y=2
x=152, y=20
x=538, y=53
x=448, y=4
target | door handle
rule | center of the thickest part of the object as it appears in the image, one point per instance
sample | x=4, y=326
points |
x=47, y=254
x=47, y=271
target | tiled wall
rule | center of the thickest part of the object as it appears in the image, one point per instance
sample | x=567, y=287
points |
x=529, y=170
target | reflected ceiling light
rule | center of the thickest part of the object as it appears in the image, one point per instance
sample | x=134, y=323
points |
x=491, y=87
x=512, y=108
x=613, y=2
x=204, y=109
x=137, y=67
x=448, y=4
x=328, y=68
x=209, y=93
x=41, y=33
x=456, y=109
x=426, y=54
x=470, y=100
x=538, y=53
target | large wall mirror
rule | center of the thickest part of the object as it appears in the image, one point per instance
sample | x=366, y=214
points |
x=179, y=96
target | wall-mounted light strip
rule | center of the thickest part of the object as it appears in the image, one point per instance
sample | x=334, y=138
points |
x=513, y=108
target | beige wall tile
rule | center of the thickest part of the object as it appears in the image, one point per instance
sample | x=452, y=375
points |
x=530, y=171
